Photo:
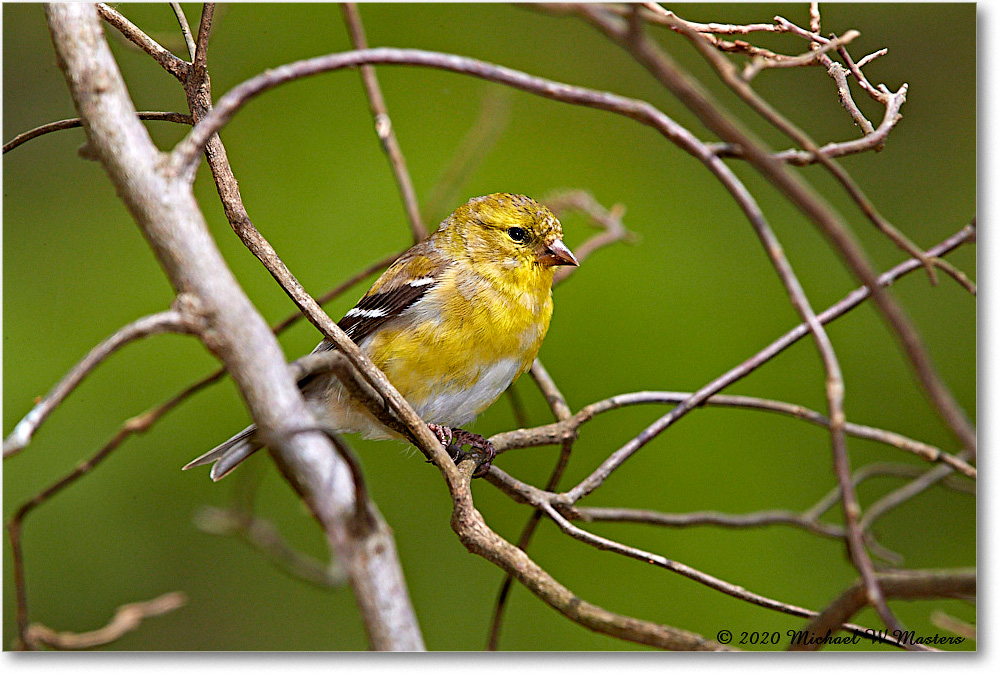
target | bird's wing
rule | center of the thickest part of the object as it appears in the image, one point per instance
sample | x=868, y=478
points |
x=405, y=282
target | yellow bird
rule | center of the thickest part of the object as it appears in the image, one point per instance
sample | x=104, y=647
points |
x=452, y=323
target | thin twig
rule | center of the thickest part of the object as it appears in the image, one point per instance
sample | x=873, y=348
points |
x=883, y=469
x=698, y=518
x=849, y=302
x=494, y=113
x=170, y=321
x=561, y=411
x=951, y=624
x=171, y=63
x=864, y=61
x=383, y=125
x=814, y=17
x=75, y=122
x=262, y=536
x=741, y=88
x=732, y=590
x=911, y=584
x=185, y=29
x=571, y=425
x=811, y=204
x=839, y=76
x=126, y=619
x=907, y=492
x=806, y=59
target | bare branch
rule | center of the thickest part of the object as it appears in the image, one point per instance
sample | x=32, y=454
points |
x=909, y=584
x=493, y=116
x=383, y=125
x=849, y=302
x=170, y=63
x=953, y=625
x=75, y=122
x=740, y=86
x=126, y=619
x=809, y=58
x=811, y=204
x=697, y=518
x=262, y=536
x=199, y=62
x=871, y=57
x=478, y=538
x=907, y=492
x=138, y=424
x=733, y=590
x=165, y=209
x=185, y=29
x=171, y=321
x=570, y=426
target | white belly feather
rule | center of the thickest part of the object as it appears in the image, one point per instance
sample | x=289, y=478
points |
x=453, y=408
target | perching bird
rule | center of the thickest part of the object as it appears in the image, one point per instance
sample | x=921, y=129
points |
x=452, y=323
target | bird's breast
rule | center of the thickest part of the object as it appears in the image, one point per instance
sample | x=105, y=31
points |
x=457, y=349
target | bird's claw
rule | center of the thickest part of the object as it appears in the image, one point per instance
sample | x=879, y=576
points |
x=482, y=451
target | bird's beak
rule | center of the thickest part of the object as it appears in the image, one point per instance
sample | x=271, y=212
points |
x=557, y=253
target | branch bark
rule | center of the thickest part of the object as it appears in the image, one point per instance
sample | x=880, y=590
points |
x=163, y=205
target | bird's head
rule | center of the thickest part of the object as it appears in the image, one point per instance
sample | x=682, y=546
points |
x=506, y=232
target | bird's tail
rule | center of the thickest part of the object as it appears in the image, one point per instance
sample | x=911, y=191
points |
x=229, y=454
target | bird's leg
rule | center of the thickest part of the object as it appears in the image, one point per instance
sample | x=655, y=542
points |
x=453, y=439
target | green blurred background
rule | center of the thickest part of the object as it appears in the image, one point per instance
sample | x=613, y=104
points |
x=694, y=297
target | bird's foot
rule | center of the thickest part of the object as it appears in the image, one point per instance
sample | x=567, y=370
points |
x=481, y=450
x=443, y=434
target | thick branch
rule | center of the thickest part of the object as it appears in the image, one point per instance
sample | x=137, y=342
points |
x=165, y=209
x=477, y=536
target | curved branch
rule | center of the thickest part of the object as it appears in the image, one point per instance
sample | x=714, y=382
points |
x=171, y=321
x=805, y=199
x=383, y=125
x=478, y=538
x=126, y=619
x=570, y=427
x=165, y=209
x=910, y=584
x=849, y=302
x=20, y=139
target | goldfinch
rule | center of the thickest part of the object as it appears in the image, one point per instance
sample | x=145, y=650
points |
x=452, y=323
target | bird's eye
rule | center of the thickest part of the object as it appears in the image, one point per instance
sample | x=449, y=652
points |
x=517, y=233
